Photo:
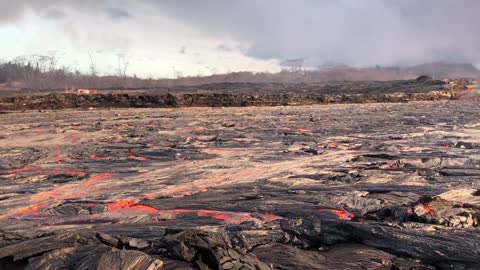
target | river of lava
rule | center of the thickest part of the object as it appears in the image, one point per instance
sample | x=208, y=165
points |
x=131, y=206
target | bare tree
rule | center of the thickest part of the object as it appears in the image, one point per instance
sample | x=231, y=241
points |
x=294, y=65
x=123, y=60
x=52, y=59
x=26, y=69
x=93, y=70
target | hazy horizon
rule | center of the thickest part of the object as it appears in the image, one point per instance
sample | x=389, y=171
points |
x=164, y=38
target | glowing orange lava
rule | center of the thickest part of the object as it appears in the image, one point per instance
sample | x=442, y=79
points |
x=333, y=145
x=233, y=217
x=341, y=214
x=31, y=210
x=131, y=205
x=429, y=210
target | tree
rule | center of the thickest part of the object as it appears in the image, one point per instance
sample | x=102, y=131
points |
x=123, y=60
x=293, y=65
x=93, y=70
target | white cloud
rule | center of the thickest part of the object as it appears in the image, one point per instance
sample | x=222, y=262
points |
x=151, y=40
x=242, y=35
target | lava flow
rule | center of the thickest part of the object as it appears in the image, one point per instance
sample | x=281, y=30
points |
x=132, y=205
x=402, y=200
x=427, y=209
x=341, y=214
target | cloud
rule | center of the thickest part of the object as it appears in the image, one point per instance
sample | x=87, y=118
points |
x=55, y=14
x=355, y=32
x=183, y=50
x=118, y=13
x=224, y=48
x=12, y=11
x=362, y=33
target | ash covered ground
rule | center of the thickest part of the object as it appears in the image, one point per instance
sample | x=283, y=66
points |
x=346, y=186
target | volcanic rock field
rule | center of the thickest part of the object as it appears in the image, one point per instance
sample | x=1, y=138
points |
x=90, y=185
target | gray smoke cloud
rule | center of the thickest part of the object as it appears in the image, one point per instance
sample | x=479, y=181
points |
x=362, y=33
x=12, y=11
x=367, y=32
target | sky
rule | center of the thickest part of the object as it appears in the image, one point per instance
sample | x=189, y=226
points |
x=170, y=38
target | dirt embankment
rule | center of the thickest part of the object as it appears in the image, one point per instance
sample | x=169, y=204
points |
x=237, y=95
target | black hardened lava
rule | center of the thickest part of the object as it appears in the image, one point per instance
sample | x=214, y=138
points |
x=343, y=186
x=236, y=95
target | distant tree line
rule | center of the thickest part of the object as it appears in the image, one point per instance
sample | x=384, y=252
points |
x=36, y=72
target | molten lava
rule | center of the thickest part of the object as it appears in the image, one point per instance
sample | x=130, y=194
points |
x=341, y=214
x=429, y=210
x=31, y=210
x=130, y=205
x=332, y=145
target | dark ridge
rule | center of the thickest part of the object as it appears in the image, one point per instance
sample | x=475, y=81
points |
x=237, y=95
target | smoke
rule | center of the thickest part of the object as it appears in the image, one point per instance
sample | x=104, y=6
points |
x=12, y=11
x=359, y=33
x=367, y=32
